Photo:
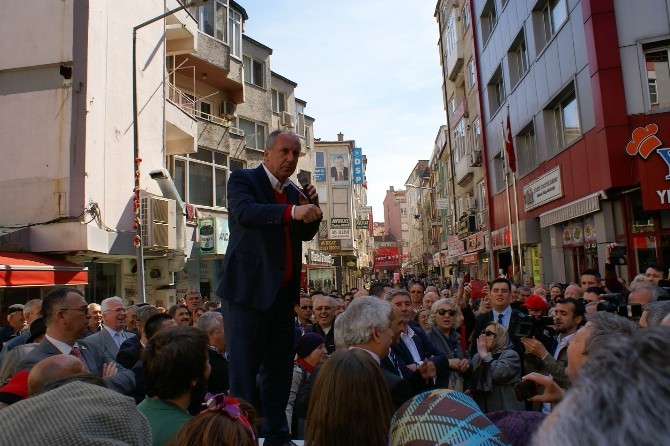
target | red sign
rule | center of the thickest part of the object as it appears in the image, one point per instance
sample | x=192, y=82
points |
x=654, y=166
x=470, y=259
x=387, y=257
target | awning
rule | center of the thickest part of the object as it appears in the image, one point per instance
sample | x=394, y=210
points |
x=577, y=208
x=18, y=269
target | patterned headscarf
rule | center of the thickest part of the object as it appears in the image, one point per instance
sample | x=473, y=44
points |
x=444, y=417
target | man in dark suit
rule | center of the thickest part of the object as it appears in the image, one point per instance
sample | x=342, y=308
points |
x=371, y=324
x=268, y=217
x=414, y=348
x=339, y=172
x=500, y=295
x=66, y=316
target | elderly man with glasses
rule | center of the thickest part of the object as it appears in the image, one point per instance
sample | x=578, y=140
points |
x=113, y=332
x=66, y=316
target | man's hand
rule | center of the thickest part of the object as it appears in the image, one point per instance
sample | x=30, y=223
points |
x=311, y=195
x=109, y=369
x=551, y=392
x=307, y=212
x=427, y=370
x=534, y=347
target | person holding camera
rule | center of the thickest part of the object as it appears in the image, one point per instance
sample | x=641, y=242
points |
x=568, y=317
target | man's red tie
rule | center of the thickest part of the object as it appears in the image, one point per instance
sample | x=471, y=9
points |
x=77, y=353
x=340, y=177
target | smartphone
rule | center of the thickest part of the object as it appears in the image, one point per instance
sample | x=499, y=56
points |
x=477, y=286
x=524, y=390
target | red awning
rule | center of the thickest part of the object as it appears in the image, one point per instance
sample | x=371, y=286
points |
x=18, y=269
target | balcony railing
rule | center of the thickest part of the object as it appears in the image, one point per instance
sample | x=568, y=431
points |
x=179, y=98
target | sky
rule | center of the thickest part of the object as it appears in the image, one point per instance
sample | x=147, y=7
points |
x=367, y=68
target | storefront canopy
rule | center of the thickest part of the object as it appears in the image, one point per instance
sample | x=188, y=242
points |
x=25, y=270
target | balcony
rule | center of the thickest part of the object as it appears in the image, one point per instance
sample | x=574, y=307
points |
x=215, y=133
x=180, y=122
x=213, y=63
x=181, y=30
x=463, y=171
x=455, y=61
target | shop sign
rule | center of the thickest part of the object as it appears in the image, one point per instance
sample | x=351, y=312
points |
x=544, y=189
x=456, y=246
x=501, y=238
x=475, y=242
x=340, y=223
x=330, y=245
x=362, y=224
x=222, y=235
x=319, y=258
x=207, y=235
x=441, y=203
x=340, y=233
x=357, y=161
x=469, y=259
x=654, y=167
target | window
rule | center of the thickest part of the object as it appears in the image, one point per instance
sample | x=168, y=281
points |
x=526, y=150
x=472, y=75
x=499, y=171
x=481, y=194
x=548, y=16
x=496, y=91
x=465, y=16
x=449, y=36
x=459, y=141
x=658, y=74
x=201, y=177
x=476, y=135
x=319, y=167
x=254, y=133
x=518, y=58
x=301, y=128
x=278, y=101
x=254, y=71
x=489, y=19
x=235, y=28
x=562, y=121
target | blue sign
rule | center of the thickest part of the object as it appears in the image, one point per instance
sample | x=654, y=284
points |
x=319, y=174
x=357, y=161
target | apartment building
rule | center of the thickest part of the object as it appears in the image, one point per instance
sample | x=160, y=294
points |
x=585, y=86
x=94, y=147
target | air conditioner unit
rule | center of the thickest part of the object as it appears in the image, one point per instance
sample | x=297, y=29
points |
x=472, y=203
x=287, y=119
x=159, y=223
x=236, y=131
x=476, y=158
x=227, y=108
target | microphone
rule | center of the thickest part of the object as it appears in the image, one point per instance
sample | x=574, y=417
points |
x=303, y=179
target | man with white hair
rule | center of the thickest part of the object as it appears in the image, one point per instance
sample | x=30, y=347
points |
x=324, y=314
x=113, y=332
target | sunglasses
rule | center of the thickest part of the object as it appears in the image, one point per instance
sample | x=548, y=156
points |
x=490, y=333
x=442, y=312
x=305, y=307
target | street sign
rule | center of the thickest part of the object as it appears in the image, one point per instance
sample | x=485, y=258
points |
x=441, y=203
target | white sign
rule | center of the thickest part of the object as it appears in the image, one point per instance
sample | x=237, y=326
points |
x=441, y=203
x=546, y=188
x=340, y=233
x=364, y=209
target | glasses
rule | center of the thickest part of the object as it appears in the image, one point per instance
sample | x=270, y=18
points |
x=82, y=310
x=442, y=312
x=490, y=333
x=118, y=310
x=305, y=307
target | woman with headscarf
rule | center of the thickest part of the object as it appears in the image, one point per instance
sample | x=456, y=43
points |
x=497, y=367
x=310, y=352
x=444, y=320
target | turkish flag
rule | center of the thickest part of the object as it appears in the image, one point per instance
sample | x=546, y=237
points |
x=509, y=146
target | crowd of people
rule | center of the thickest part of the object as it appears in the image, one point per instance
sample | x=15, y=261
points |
x=506, y=368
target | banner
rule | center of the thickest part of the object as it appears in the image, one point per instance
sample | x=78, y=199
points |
x=357, y=161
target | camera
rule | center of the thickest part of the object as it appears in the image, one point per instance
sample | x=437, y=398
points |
x=528, y=326
x=616, y=303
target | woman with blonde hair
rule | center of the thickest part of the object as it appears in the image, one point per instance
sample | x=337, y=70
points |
x=497, y=367
x=350, y=402
x=445, y=319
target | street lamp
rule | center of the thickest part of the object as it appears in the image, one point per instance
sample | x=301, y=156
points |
x=138, y=242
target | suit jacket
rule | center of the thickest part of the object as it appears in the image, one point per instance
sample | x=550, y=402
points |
x=426, y=350
x=104, y=341
x=257, y=246
x=128, y=357
x=333, y=173
x=483, y=320
x=412, y=382
x=123, y=381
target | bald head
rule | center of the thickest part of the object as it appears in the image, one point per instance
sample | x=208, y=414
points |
x=52, y=369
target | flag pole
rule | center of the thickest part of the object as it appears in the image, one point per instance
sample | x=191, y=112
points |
x=518, y=230
x=509, y=207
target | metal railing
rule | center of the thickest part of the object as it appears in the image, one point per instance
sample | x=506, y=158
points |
x=179, y=98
